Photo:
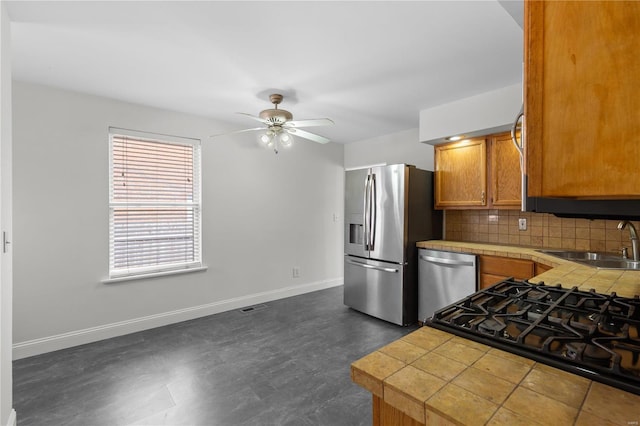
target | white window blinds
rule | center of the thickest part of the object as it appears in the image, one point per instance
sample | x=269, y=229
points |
x=154, y=221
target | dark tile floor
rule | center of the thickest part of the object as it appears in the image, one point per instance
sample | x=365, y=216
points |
x=286, y=363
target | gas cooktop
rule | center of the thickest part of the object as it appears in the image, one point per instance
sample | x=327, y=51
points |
x=591, y=334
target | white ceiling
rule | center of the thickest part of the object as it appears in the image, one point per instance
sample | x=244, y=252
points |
x=371, y=66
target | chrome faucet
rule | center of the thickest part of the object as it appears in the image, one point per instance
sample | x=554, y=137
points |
x=635, y=247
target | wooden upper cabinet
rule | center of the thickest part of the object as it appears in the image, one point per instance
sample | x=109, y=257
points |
x=462, y=169
x=506, y=177
x=582, y=103
x=461, y=174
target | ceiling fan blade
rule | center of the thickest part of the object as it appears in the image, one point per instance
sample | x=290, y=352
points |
x=309, y=123
x=262, y=120
x=308, y=135
x=237, y=131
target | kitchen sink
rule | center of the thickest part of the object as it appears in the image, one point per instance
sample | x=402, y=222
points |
x=596, y=259
x=577, y=255
x=616, y=263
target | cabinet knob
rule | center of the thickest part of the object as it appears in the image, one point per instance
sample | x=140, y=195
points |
x=482, y=197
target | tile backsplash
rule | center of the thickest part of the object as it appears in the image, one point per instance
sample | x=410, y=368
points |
x=543, y=230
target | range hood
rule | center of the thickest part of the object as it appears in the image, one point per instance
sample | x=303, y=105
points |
x=579, y=208
x=587, y=209
x=573, y=207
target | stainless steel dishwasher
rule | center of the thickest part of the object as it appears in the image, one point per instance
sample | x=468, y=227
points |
x=444, y=278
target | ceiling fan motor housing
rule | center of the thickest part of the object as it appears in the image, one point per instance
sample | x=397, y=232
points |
x=275, y=115
x=280, y=125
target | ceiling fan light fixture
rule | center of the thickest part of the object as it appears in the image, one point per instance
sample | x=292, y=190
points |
x=266, y=137
x=285, y=139
x=281, y=127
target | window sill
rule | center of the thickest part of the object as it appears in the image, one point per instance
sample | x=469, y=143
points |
x=153, y=275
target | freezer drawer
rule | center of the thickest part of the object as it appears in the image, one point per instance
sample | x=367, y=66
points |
x=375, y=288
x=444, y=278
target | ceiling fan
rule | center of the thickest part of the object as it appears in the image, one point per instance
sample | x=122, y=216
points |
x=279, y=126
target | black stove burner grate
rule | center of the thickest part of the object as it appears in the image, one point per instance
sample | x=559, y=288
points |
x=584, y=332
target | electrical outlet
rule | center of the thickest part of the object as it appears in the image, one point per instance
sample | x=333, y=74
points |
x=522, y=224
x=296, y=272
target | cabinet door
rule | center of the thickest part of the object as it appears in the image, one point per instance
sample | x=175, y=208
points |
x=496, y=268
x=387, y=415
x=581, y=98
x=539, y=268
x=506, y=177
x=487, y=280
x=461, y=174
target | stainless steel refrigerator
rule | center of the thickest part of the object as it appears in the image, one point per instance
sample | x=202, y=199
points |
x=387, y=210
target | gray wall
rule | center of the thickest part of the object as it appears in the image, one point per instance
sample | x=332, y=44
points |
x=263, y=214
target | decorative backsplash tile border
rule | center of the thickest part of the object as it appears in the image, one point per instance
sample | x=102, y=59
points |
x=543, y=230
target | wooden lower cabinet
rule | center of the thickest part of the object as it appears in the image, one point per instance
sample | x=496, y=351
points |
x=387, y=415
x=496, y=268
x=487, y=280
x=541, y=267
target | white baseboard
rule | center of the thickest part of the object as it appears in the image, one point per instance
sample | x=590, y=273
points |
x=93, y=334
x=12, y=421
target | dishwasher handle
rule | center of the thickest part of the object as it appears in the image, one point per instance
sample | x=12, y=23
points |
x=377, y=268
x=449, y=262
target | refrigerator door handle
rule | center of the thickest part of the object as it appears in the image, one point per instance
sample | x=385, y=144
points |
x=445, y=261
x=366, y=218
x=373, y=195
x=377, y=268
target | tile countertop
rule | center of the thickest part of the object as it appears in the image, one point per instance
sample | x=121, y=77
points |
x=438, y=378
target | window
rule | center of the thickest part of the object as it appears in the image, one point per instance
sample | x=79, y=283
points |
x=154, y=204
